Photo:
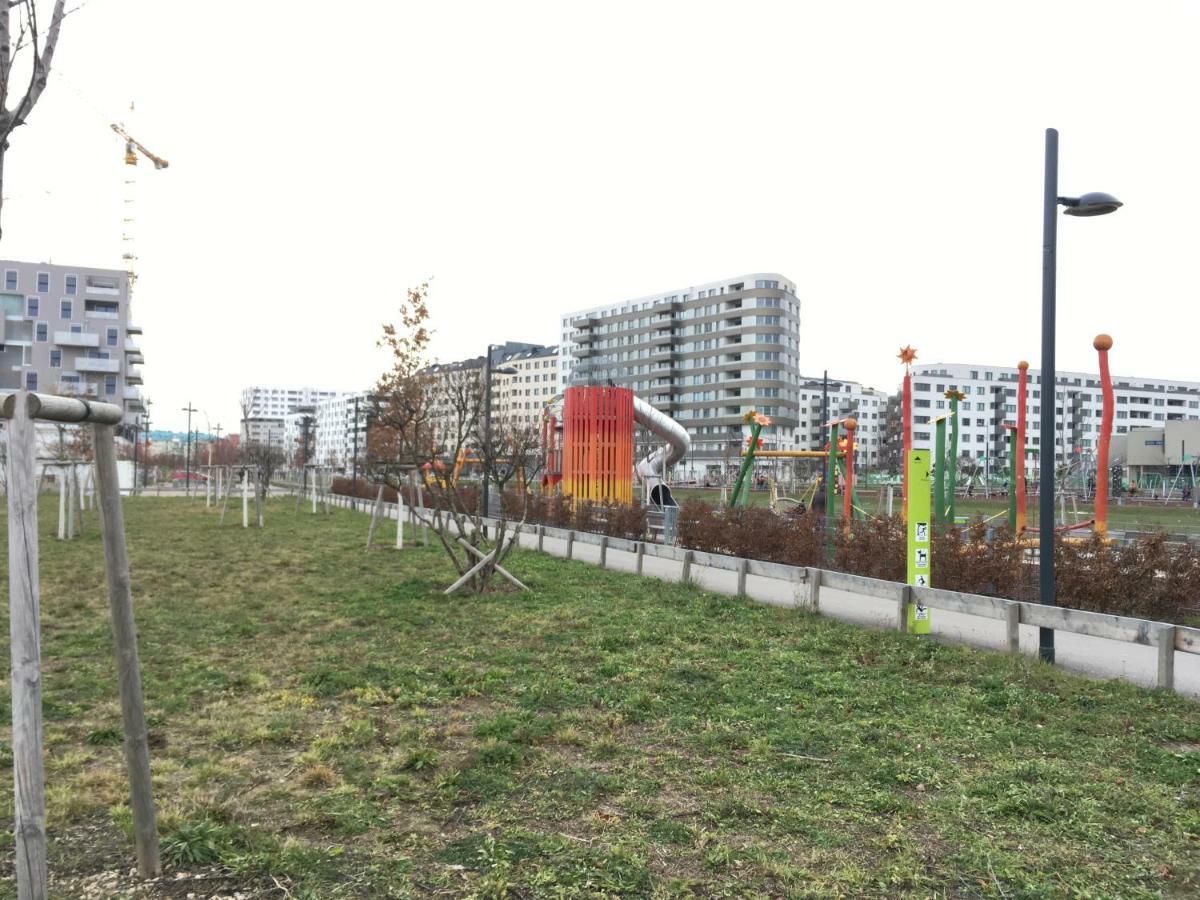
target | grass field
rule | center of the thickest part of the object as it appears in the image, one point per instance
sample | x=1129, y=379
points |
x=326, y=724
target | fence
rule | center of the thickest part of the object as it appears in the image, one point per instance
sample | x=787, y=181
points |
x=998, y=621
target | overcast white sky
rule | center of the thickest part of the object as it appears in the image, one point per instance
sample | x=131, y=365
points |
x=533, y=158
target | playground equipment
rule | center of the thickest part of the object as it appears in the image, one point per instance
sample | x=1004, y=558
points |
x=907, y=357
x=594, y=460
x=1103, y=343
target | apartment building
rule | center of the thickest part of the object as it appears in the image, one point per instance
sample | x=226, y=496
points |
x=520, y=398
x=67, y=330
x=846, y=399
x=703, y=354
x=265, y=408
x=991, y=400
x=338, y=420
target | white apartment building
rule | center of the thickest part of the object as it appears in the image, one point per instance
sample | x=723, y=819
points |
x=264, y=410
x=520, y=398
x=991, y=400
x=337, y=420
x=703, y=354
x=867, y=405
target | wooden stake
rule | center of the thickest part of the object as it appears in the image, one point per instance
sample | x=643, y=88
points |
x=376, y=509
x=62, y=504
x=29, y=817
x=129, y=677
x=245, y=498
x=72, y=500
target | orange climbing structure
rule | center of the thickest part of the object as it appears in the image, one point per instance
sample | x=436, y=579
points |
x=597, y=443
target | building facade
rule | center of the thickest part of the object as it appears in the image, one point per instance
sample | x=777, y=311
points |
x=264, y=410
x=67, y=330
x=519, y=399
x=846, y=399
x=991, y=401
x=704, y=354
x=338, y=421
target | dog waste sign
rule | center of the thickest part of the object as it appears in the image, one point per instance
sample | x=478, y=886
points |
x=920, y=563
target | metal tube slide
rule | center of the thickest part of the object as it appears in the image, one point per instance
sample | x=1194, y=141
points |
x=677, y=442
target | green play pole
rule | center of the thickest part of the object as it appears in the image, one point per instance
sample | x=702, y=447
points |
x=952, y=463
x=747, y=462
x=831, y=477
x=939, y=474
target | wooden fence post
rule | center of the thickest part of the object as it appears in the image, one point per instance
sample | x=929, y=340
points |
x=570, y=543
x=376, y=509
x=1012, y=621
x=641, y=556
x=1166, y=658
x=902, y=602
x=603, y=551
x=742, y=571
x=245, y=498
x=814, y=590
x=129, y=677
x=686, y=572
x=29, y=809
x=72, y=500
x=399, y=520
x=62, y=503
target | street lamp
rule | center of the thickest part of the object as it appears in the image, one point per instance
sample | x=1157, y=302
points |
x=1093, y=204
x=489, y=370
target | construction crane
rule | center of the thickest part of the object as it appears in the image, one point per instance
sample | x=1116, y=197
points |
x=132, y=148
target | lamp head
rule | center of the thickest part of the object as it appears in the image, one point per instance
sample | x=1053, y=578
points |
x=1096, y=203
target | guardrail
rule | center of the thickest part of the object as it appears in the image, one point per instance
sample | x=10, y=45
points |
x=1168, y=639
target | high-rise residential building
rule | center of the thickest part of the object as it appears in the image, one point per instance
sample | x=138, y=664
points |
x=67, y=330
x=338, y=420
x=263, y=411
x=846, y=399
x=991, y=401
x=703, y=354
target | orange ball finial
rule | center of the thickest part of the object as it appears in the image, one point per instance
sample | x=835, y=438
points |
x=850, y=424
x=1023, y=364
x=1103, y=342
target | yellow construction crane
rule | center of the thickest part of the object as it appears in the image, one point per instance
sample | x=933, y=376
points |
x=132, y=148
x=131, y=143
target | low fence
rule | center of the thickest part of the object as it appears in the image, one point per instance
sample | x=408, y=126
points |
x=804, y=587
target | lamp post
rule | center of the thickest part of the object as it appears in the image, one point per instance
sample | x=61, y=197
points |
x=489, y=370
x=1094, y=204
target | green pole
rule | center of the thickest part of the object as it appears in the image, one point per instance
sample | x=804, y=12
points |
x=952, y=471
x=939, y=475
x=1012, y=485
x=831, y=477
x=747, y=462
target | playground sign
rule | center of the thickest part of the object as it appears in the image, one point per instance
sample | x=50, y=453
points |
x=919, y=551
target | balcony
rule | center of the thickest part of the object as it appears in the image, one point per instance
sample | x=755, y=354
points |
x=583, y=337
x=585, y=321
x=76, y=339
x=134, y=358
x=99, y=366
x=134, y=401
x=133, y=375
x=131, y=346
x=101, y=314
x=131, y=328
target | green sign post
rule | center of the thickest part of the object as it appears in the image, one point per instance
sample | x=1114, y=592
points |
x=920, y=535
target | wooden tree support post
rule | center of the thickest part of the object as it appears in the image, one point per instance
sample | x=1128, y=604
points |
x=470, y=573
x=72, y=500
x=129, y=678
x=29, y=809
x=376, y=511
x=399, y=520
x=245, y=498
x=62, y=504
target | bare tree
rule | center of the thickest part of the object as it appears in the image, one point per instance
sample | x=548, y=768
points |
x=41, y=46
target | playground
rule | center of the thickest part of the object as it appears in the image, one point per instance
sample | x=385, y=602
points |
x=325, y=722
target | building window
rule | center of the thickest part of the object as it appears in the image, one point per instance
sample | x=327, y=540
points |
x=31, y=308
x=76, y=328
x=10, y=279
x=110, y=384
x=56, y=359
x=43, y=332
x=112, y=337
x=72, y=284
x=31, y=381
x=64, y=309
x=43, y=282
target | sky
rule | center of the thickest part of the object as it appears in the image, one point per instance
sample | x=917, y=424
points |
x=534, y=158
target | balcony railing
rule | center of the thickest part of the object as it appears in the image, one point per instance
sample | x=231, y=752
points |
x=104, y=366
x=76, y=339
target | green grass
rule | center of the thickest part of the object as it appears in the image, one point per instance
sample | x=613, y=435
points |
x=325, y=717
